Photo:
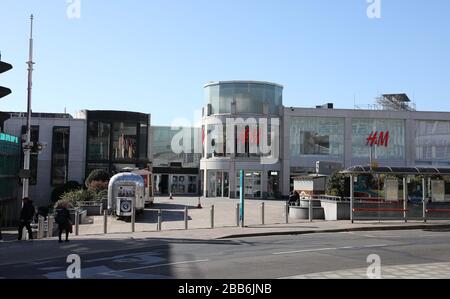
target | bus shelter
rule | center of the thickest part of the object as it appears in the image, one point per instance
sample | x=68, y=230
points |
x=399, y=193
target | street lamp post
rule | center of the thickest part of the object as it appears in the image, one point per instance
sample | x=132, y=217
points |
x=28, y=145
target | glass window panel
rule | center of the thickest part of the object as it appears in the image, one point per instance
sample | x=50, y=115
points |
x=269, y=98
x=124, y=140
x=432, y=142
x=60, y=155
x=94, y=166
x=252, y=184
x=192, y=186
x=163, y=154
x=226, y=98
x=226, y=184
x=143, y=141
x=257, y=94
x=361, y=130
x=98, y=140
x=311, y=136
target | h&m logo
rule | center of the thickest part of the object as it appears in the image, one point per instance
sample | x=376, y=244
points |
x=378, y=139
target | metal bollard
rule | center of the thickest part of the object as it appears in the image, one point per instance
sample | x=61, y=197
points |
x=424, y=200
x=40, y=227
x=212, y=216
x=287, y=212
x=311, y=209
x=51, y=221
x=133, y=221
x=159, y=226
x=105, y=222
x=77, y=223
x=263, y=220
x=186, y=218
x=238, y=217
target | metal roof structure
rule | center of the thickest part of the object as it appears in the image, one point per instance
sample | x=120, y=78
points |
x=397, y=170
x=395, y=102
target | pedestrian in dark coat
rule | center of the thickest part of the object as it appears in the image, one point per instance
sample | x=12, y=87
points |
x=26, y=217
x=64, y=222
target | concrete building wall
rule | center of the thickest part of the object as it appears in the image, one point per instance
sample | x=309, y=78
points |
x=41, y=192
x=410, y=119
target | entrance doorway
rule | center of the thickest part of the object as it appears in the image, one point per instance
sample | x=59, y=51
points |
x=218, y=184
x=252, y=184
x=164, y=184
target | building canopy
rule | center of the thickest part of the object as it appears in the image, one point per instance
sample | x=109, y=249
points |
x=359, y=170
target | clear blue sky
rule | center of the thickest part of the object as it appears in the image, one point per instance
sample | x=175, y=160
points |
x=155, y=56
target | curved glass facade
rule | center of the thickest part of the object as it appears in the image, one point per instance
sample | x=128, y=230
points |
x=250, y=97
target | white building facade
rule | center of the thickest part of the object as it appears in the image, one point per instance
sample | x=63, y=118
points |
x=63, y=158
x=345, y=137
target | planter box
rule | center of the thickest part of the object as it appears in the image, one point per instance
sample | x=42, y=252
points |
x=336, y=210
x=304, y=203
x=303, y=213
x=93, y=209
x=82, y=214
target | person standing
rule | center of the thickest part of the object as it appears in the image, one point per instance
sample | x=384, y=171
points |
x=26, y=216
x=64, y=222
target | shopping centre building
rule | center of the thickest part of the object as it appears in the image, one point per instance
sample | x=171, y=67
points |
x=245, y=126
x=394, y=135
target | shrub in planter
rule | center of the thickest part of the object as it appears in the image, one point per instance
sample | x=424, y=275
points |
x=73, y=198
x=338, y=185
x=77, y=198
x=62, y=202
x=60, y=190
x=98, y=180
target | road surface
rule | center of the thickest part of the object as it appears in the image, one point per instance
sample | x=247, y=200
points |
x=404, y=254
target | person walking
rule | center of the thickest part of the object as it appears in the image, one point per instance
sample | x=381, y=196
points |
x=64, y=222
x=26, y=216
x=294, y=198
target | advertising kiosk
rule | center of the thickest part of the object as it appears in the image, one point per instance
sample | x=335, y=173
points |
x=126, y=192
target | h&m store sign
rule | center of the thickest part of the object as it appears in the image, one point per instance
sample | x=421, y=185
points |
x=378, y=139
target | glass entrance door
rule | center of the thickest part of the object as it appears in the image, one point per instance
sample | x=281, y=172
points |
x=252, y=184
x=218, y=184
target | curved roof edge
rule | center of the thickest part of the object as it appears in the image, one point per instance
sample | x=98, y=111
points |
x=242, y=81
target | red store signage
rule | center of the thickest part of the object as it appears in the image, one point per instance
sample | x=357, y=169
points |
x=378, y=139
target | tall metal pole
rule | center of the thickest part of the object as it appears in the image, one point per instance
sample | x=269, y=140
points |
x=28, y=146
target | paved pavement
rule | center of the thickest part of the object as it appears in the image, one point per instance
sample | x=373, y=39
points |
x=173, y=216
x=225, y=222
x=321, y=255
